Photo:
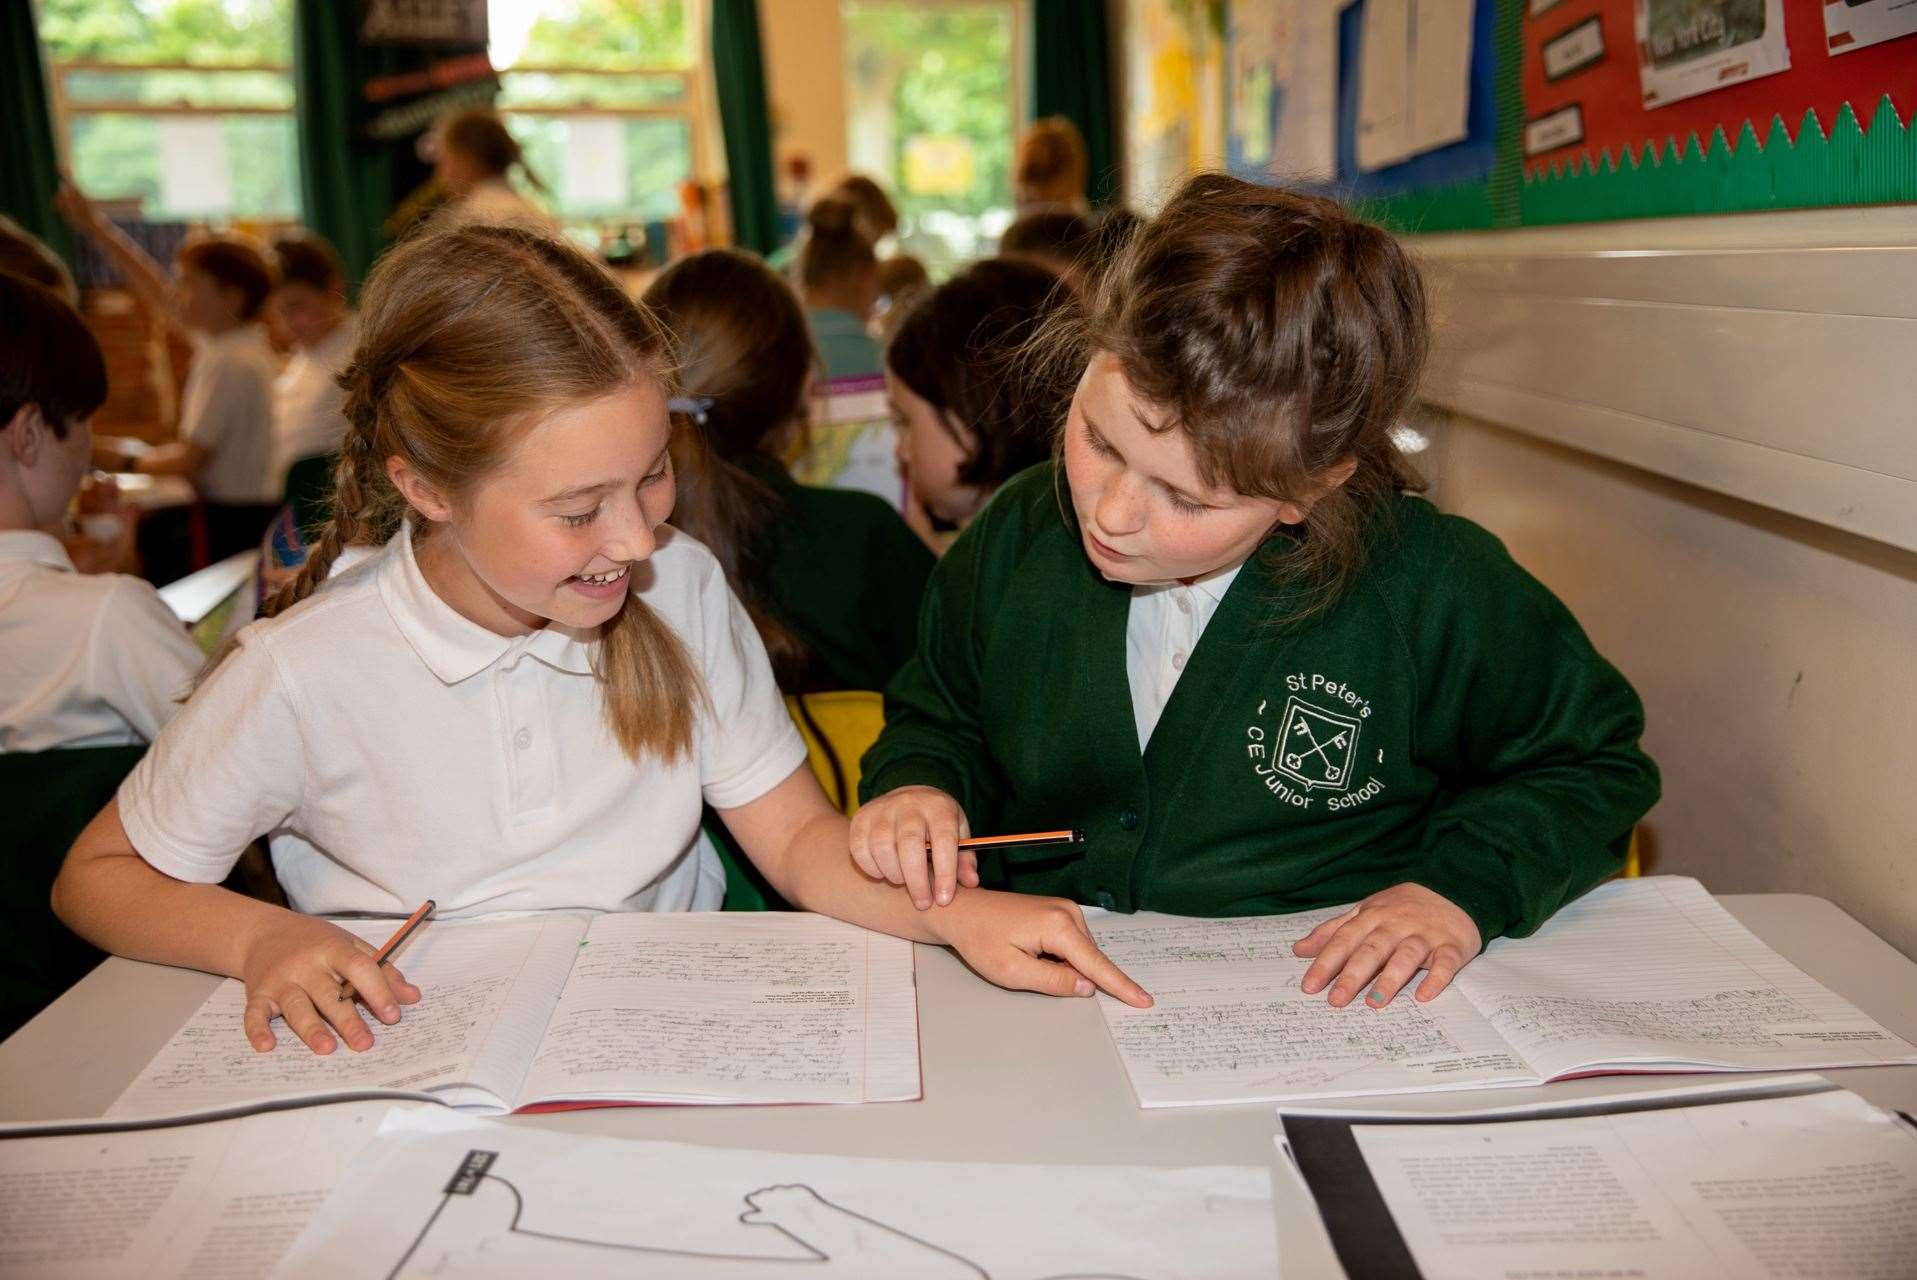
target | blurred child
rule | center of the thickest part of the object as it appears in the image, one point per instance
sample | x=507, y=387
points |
x=225, y=444
x=831, y=577
x=838, y=277
x=474, y=159
x=970, y=409
x=86, y=660
x=1057, y=240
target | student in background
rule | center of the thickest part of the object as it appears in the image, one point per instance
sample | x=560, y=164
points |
x=518, y=702
x=838, y=278
x=225, y=444
x=474, y=163
x=1264, y=677
x=971, y=411
x=86, y=660
x=1049, y=168
x=873, y=216
x=309, y=302
x=903, y=280
x=832, y=578
x=1057, y=240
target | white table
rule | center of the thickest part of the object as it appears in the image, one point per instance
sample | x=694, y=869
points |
x=1008, y=1077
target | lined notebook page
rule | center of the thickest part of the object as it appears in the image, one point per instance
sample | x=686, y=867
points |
x=487, y=987
x=1231, y=1023
x=1653, y=972
x=732, y=1007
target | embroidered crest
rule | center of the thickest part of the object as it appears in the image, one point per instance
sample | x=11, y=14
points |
x=1316, y=748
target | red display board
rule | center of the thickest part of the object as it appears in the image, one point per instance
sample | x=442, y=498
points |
x=1609, y=96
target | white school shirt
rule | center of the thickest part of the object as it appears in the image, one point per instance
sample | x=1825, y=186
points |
x=1161, y=631
x=308, y=403
x=227, y=409
x=86, y=659
x=397, y=751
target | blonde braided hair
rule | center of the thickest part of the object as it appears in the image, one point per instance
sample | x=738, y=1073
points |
x=468, y=335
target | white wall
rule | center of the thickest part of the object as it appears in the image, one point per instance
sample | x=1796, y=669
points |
x=1777, y=655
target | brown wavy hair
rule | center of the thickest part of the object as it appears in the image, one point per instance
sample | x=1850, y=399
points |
x=468, y=336
x=1285, y=337
x=744, y=356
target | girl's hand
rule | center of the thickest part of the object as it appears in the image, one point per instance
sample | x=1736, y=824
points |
x=1390, y=936
x=1029, y=943
x=295, y=970
x=910, y=837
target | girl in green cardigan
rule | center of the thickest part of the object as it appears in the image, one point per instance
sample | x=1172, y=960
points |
x=1219, y=636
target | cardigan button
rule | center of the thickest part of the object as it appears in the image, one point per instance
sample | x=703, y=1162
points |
x=1128, y=819
x=1103, y=898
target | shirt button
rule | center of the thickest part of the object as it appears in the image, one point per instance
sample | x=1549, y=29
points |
x=1178, y=660
x=1128, y=819
x=1184, y=602
x=1103, y=898
x=523, y=739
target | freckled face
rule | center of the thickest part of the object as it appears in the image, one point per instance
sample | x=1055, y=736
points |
x=1143, y=512
x=553, y=534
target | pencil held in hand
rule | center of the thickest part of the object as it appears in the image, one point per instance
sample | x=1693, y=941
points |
x=404, y=932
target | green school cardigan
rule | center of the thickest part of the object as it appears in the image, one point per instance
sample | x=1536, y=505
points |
x=845, y=572
x=1445, y=722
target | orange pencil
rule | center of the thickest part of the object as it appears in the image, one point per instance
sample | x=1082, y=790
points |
x=404, y=932
x=1030, y=838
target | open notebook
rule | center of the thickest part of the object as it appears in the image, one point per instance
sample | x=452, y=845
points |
x=1648, y=975
x=535, y=1012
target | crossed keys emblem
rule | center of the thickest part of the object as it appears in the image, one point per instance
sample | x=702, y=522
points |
x=1316, y=747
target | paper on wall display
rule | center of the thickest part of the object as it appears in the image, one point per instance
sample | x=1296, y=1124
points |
x=1638, y=976
x=679, y=1007
x=1414, y=87
x=448, y=1196
x=1688, y=47
x=1284, y=82
x=1820, y=1185
x=218, y=1199
x=1850, y=25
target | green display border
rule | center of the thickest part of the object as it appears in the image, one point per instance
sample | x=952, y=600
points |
x=1844, y=165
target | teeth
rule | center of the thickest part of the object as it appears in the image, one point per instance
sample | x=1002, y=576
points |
x=601, y=579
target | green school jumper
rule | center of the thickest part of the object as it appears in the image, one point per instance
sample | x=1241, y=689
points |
x=846, y=574
x=1446, y=722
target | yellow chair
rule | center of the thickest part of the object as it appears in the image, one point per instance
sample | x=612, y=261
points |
x=1633, y=863
x=838, y=728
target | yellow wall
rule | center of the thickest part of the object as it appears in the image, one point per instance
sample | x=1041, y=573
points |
x=802, y=44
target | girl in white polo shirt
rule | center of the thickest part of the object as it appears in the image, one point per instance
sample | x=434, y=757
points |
x=518, y=702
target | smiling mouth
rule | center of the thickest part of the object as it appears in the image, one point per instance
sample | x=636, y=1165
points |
x=1109, y=552
x=604, y=579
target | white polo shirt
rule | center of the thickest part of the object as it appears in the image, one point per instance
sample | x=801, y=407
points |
x=226, y=408
x=397, y=751
x=1162, y=630
x=86, y=659
x=308, y=401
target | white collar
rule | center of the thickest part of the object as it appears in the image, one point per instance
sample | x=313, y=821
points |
x=452, y=645
x=1213, y=585
x=34, y=547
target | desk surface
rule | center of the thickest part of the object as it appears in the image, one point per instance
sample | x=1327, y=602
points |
x=1008, y=1076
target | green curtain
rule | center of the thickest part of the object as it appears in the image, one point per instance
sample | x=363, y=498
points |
x=738, y=73
x=351, y=183
x=1072, y=77
x=29, y=164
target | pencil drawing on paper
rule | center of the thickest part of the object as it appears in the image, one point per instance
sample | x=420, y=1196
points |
x=791, y=1230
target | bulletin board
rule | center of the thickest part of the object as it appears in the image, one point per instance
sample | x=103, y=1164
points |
x=1588, y=110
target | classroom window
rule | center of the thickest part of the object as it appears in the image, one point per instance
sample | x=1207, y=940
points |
x=604, y=98
x=184, y=108
x=932, y=94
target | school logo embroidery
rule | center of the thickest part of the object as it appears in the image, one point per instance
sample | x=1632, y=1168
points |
x=1315, y=747
x=1309, y=754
